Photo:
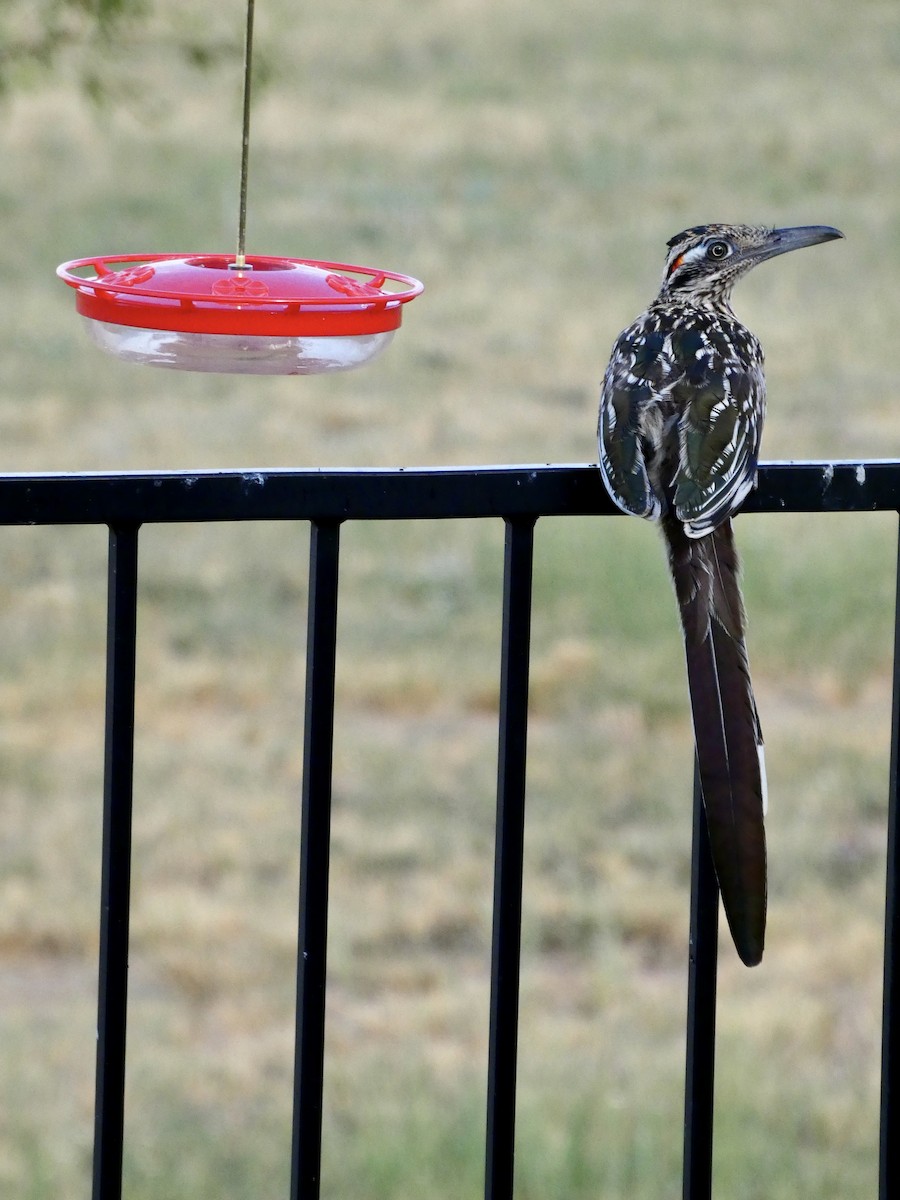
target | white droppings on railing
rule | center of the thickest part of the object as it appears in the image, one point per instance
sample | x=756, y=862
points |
x=860, y=474
x=827, y=475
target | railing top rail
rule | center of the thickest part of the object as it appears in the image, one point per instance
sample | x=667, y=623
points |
x=263, y=494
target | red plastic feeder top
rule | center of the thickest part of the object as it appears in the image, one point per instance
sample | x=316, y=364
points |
x=269, y=316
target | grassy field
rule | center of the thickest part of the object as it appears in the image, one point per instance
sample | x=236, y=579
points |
x=528, y=162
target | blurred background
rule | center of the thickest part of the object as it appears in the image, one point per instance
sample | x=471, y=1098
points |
x=528, y=162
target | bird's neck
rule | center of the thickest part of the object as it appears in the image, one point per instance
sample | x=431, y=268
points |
x=712, y=302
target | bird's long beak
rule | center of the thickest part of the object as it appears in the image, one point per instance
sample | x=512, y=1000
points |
x=780, y=241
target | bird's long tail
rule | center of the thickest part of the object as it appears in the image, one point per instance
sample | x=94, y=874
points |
x=726, y=724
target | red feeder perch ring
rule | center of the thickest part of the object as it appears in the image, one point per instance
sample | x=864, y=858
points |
x=270, y=316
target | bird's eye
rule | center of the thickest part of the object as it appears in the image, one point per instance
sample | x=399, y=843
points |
x=717, y=250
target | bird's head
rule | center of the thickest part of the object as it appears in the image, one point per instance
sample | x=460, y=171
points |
x=705, y=262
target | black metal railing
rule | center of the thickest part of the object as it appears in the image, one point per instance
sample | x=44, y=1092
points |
x=519, y=495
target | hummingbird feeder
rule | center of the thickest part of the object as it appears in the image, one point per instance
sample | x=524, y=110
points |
x=239, y=313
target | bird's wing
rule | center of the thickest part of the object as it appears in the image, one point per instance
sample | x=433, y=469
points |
x=722, y=405
x=630, y=388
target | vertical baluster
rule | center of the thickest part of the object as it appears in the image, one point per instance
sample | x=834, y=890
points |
x=701, y=1013
x=889, y=1162
x=109, y=1105
x=510, y=832
x=315, y=835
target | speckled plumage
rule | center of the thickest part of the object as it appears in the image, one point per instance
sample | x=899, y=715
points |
x=681, y=418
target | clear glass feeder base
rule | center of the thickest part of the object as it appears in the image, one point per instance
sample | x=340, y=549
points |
x=236, y=354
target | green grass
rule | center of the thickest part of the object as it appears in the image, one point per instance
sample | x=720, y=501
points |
x=528, y=163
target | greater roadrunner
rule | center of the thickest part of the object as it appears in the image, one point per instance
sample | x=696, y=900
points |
x=681, y=416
